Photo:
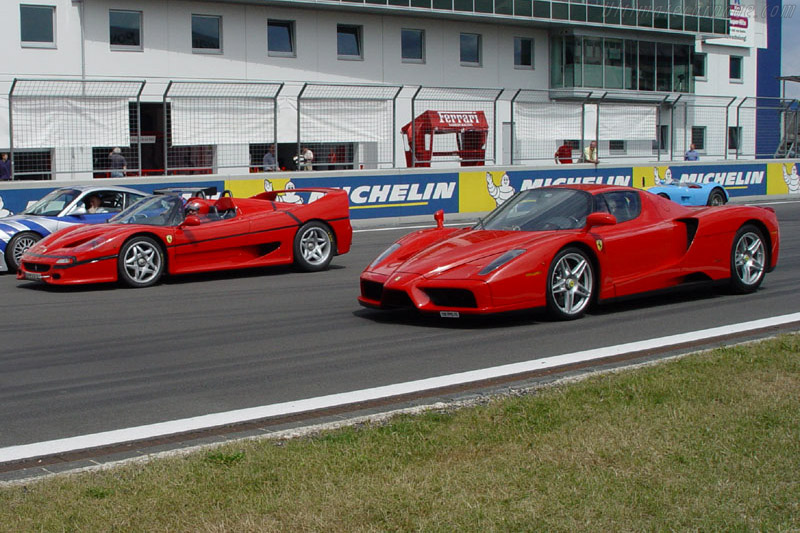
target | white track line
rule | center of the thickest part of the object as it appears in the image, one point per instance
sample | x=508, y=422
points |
x=107, y=438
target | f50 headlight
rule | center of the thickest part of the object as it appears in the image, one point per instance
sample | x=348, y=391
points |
x=500, y=261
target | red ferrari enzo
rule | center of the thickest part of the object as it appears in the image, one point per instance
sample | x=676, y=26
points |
x=565, y=247
x=164, y=233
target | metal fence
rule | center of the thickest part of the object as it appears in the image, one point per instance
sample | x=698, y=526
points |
x=215, y=125
x=345, y=126
x=72, y=127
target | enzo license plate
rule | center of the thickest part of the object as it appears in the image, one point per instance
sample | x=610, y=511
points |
x=32, y=276
x=449, y=314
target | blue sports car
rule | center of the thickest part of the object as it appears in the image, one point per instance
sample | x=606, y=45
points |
x=60, y=208
x=686, y=193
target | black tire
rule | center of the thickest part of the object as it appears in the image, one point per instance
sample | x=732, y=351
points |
x=313, y=247
x=717, y=197
x=749, y=259
x=17, y=246
x=140, y=262
x=570, y=284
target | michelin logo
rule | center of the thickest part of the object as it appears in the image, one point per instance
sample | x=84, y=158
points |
x=400, y=192
x=600, y=180
x=727, y=179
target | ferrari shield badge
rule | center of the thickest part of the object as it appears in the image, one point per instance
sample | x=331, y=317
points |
x=599, y=244
x=169, y=239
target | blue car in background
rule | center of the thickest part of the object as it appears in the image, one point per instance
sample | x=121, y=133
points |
x=59, y=209
x=686, y=193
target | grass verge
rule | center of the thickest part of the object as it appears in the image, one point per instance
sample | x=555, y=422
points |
x=709, y=442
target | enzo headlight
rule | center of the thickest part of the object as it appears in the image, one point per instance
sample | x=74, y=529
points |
x=65, y=261
x=386, y=253
x=500, y=261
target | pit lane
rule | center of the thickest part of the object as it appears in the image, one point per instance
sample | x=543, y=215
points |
x=85, y=361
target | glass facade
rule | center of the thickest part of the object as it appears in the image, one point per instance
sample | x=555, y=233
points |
x=611, y=63
x=704, y=16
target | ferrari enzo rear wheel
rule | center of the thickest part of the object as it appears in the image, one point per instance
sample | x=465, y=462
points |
x=716, y=197
x=141, y=262
x=313, y=247
x=17, y=246
x=570, y=284
x=748, y=259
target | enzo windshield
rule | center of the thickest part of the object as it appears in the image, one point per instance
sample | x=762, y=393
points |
x=52, y=204
x=540, y=210
x=161, y=210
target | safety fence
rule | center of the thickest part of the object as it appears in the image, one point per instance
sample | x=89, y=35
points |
x=341, y=126
x=79, y=129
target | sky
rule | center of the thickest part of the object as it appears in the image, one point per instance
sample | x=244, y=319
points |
x=790, y=51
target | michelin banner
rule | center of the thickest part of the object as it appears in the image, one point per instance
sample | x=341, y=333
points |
x=476, y=190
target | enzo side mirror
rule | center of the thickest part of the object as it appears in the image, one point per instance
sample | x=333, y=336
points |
x=439, y=218
x=600, y=218
x=191, y=220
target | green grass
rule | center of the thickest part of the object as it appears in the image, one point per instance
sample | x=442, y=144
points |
x=709, y=442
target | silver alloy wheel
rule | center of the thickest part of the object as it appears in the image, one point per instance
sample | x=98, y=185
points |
x=571, y=284
x=315, y=246
x=142, y=262
x=749, y=258
x=21, y=245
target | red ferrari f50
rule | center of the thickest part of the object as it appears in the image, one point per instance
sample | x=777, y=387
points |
x=164, y=234
x=565, y=247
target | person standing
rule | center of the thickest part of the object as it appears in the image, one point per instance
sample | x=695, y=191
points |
x=691, y=154
x=5, y=167
x=270, y=165
x=308, y=158
x=563, y=155
x=118, y=163
x=590, y=153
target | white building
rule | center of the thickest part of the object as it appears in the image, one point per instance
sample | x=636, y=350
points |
x=665, y=74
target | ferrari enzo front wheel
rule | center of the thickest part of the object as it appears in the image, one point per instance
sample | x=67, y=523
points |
x=313, y=247
x=748, y=259
x=570, y=284
x=141, y=262
x=17, y=246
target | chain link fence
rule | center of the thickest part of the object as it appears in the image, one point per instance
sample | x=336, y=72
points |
x=216, y=125
x=345, y=126
x=451, y=125
x=79, y=128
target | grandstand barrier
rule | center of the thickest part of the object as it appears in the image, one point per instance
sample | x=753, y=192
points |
x=412, y=192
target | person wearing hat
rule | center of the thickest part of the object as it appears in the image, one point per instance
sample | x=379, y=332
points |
x=118, y=163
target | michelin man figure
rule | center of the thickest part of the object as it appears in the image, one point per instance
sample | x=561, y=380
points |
x=501, y=193
x=792, y=180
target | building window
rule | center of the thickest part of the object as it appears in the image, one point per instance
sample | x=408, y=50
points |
x=699, y=66
x=206, y=33
x=699, y=138
x=125, y=30
x=37, y=26
x=735, y=138
x=471, y=49
x=617, y=147
x=736, y=68
x=280, y=38
x=348, y=42
x=523, y=53
x=661, y=144
x=412, y=46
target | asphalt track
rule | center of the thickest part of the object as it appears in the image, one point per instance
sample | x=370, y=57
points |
x=88, y=361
